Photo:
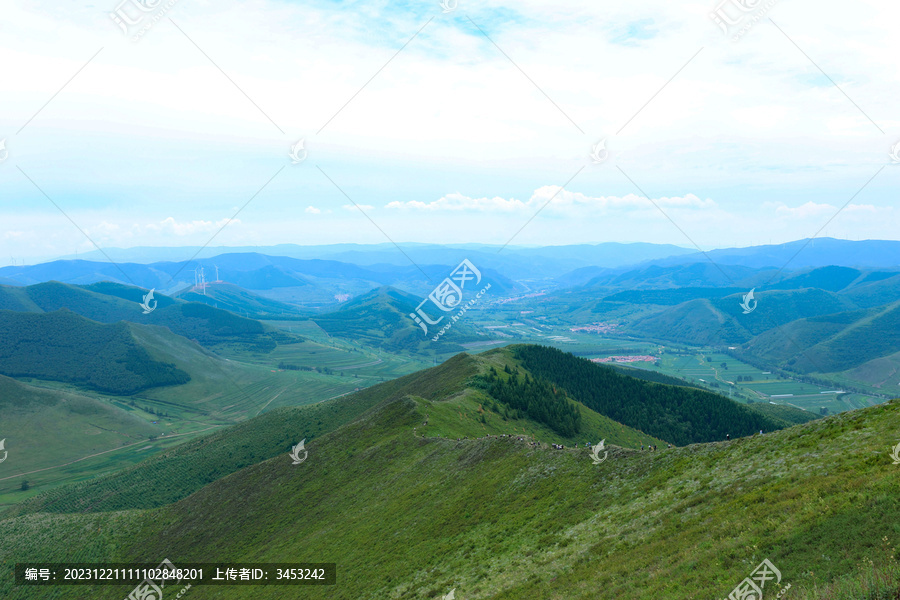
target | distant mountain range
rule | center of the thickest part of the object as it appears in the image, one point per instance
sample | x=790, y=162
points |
x=669, y=294
x=356, y=268
x=311, y=283
x=514, y=262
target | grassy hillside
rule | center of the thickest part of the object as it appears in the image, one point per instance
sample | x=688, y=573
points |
x=833, y=343
x=457, y=400
x=381, y=318
x=720, y=320
x=787, y=416
x=45, y=429
x=64, y=346
x=194, y=464
x=876, y=289
x=831, y=278
x=881, y=373
x=779, y=345
x=694, y=322
x=454, y=408
x=412, y=518
x=108, y=302
x=84, y=433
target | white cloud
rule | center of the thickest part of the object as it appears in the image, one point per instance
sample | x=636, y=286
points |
x=814, y=210
x=460, y=202
x=172, y=227
x=159, y=130
x=560, y=201
x=312, y=210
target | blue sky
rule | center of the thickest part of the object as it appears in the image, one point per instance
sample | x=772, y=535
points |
x=459, y=138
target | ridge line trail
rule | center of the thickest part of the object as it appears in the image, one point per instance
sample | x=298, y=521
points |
x=105, y=452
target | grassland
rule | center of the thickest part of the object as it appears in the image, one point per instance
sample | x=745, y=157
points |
x=408, y=517
x=87, y=433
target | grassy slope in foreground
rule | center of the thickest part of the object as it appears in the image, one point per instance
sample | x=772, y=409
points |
x=406, y=517
x=183, y=470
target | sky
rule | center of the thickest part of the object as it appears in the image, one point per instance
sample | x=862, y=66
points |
x=257, y=122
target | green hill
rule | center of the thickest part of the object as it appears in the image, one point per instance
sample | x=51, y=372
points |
x=64, y=346
x=457, y=407
x=831, y=278
x=98, y=433
x=227, y=296
x=881, y=373
x=787, y=416
x=108, y=302
x=189, y=466
x=779, y=307
x=102, y=302
x=877, y=289
x=721, y=320
x=413, y=517
x=493, y=393
x=833, y=343
x=381, y=318
x=678, y=414
x=694, y=322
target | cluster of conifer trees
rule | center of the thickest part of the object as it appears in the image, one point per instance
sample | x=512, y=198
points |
x=678, y=414
x=536, y=398
x=63, y=346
